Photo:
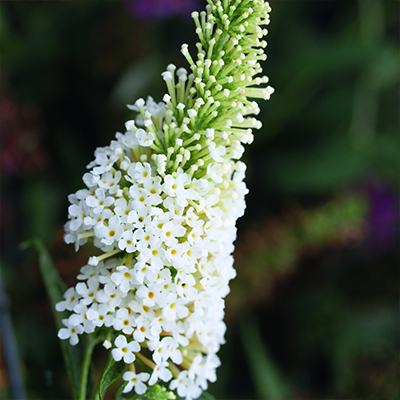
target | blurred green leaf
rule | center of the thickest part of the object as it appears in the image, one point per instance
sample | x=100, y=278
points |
x=134, y=82
x=268, y=380
x=385, y=71
x=208, y=396
x=55, y=287
x=320, y=169
x=40, y=213
x=384, y=156
x=330, y=58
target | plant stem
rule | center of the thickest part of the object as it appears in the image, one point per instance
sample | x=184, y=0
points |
x=91, y=342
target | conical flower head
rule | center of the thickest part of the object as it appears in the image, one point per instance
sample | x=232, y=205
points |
x=161, y=203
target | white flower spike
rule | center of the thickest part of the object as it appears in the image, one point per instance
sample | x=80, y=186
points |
x=161, y=203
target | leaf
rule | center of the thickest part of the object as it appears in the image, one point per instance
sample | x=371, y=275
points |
x=268, y=381
x=55, y=288
x=118, y=395
x=319, y=169
x=112, y=372
x=134, y=81
x=156, y=392
x=208, y=396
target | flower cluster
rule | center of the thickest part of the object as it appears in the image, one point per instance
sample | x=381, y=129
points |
x=161, y=203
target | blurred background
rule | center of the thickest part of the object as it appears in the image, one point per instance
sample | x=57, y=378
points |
x=313, y=312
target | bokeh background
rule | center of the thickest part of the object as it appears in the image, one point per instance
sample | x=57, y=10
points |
x=313, y=312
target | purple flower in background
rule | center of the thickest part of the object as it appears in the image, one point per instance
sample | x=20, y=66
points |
x=383, y=214
x=157, y=9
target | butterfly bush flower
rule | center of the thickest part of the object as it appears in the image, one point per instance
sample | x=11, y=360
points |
x=161, y=204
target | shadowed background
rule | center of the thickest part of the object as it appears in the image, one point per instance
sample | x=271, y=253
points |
x=313, y=312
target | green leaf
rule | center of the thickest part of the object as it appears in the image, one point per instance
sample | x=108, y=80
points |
x=156, y=392
x=320, y=169
x=207, y=396
x=55, y=287
x=118, y=395
x=268, y=380
x=112, y=372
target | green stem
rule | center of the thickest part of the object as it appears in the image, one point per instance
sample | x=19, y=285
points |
x=97, y=396
x=85, y=366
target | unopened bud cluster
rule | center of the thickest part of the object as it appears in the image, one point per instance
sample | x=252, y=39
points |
x=161, y=203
